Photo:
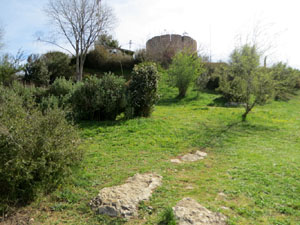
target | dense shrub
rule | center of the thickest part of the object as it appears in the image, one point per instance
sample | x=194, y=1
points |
x=58, y=65
x=184, y=70
x=244, y=81
x=211, y=69
x=36, y=71
x=9, y=67
x=103, y=59
x=43, y=70
x=286, y=79
x=37, y=149
x=63, y=90
x=142, y=90
x=99, y=98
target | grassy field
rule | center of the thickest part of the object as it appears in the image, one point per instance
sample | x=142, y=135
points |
x=256, y=164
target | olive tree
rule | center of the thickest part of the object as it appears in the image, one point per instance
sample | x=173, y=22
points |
x=80, y=22
x=244, y=81
x=183, y=71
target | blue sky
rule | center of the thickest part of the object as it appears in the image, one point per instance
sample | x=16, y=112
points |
x=215, y=24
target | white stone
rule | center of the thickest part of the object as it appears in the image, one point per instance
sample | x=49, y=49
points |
x=189, y=212
x=123, y=200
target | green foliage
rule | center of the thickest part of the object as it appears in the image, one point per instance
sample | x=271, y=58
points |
x=107, y=41
x=184, y=69
x=285, y=81
x=211, y=69
x=142, y=90
x=168, y=217
x=37, y=149
x=62, y=90
x=36, y=71
x=243, y=81
x=58, y=65
x=99, y=98
x=103, y=59
x=140, y=55
x=9, y=67
x=43, y=70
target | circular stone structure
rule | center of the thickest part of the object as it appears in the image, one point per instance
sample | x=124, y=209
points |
x=166, y=46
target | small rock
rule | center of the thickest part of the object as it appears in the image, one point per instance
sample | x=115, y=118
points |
x=225, y=208
x=201, y=154
x=123, y=200
x=175, y=161
x=189, y=188
x=189, y=212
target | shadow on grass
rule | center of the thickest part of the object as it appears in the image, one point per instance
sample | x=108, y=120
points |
x=172, y=101
x=92, y=124
x=216, y=134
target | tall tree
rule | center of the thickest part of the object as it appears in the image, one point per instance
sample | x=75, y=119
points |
x=80, y=22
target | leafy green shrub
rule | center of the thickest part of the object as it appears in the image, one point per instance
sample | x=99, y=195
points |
x=36, y=71
x=63, y=90
x=167, y=217
x=9, y=67
x=243, y=81
x=285, y=79
x=102, y=59
x=142, y=90
x=184, y=69
x=37, y=150
x=58, y=65
x=99, y=98
x=211, y=68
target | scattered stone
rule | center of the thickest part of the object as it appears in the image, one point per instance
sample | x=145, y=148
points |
x=123, y=200
x=189, y=212
x=189, y=187
x=225, y=208
x=175, y=161
x=221, y=196
x=192, y=157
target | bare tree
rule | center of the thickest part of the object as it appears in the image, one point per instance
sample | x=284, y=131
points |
x=80, y=22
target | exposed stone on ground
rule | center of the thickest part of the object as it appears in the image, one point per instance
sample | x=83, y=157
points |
x=123, y=200
x=190, y=157
x=189, y=212
x=176, y=161
x=221, y=196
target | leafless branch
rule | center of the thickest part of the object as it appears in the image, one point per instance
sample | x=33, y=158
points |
x=80, y=22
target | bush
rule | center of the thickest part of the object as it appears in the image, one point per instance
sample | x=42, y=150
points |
x=102, y=59
x=142, y=90
x=37, y=150
x=36, y=71
x=63, y=90
x=244, y=81
x=211, y=69
x=99, y=98
x=183, y=71
x=9, y=67
x=58, y=65
x=286, y=80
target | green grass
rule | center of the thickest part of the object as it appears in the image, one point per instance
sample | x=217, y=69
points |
x=256, y=163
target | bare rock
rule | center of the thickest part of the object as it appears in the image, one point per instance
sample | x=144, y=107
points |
x=176, y=161
x=192, y=157
x=123, y=200
x=189, y=212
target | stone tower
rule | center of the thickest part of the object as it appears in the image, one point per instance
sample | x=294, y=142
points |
x=163, y=48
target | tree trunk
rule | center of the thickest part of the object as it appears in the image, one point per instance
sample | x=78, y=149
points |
x=248, y=109
x=78, y=75
x=182, y=93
